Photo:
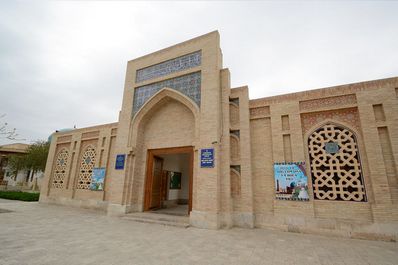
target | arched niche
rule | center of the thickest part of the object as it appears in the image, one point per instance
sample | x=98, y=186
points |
x=234, y=147
x=235, y=183
x=234, y=115
x=60, y=166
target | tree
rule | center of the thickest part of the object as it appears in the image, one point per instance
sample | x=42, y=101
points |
x=35, y=159
x=16, y=163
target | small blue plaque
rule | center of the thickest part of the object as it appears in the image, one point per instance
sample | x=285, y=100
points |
x=207, y=157
x=332, y=148
x=120, y=161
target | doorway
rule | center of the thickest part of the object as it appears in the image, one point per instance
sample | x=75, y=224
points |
x=168, y=185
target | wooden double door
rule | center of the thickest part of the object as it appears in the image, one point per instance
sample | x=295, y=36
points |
x=156, y=179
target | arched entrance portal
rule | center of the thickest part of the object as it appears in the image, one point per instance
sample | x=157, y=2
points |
x=164, y=133
x=169, y=177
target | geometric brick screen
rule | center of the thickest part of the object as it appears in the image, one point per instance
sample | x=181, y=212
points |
x=335, y=165
x=87, y=163
x=188, y=84
x=61, y=163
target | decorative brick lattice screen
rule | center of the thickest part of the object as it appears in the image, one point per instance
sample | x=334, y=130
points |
x=87, y=163
x=335, y=164
x=60, y=169
x=189, y=85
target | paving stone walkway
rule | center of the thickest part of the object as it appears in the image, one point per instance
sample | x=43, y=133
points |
x=43, y=234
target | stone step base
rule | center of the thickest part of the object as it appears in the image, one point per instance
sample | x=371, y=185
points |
x=162, y=219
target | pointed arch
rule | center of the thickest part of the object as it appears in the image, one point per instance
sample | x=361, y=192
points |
x=87, y=163
x=155, y=126
x=60, y=166
x=157, y=101
x=335, y=164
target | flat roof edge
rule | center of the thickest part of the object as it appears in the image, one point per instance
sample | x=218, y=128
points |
x=175, y=45
x=328, y=91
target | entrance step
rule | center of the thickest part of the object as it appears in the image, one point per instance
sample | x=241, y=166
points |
x=157, y=218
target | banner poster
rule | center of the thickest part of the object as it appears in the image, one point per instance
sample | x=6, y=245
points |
x=97, y=179
x=291, y=182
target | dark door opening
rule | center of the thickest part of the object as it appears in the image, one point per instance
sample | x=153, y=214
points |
x=168, y=186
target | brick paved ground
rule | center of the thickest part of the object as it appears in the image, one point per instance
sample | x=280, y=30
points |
x=44, y=234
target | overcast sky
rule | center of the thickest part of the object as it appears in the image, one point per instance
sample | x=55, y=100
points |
x=63, y=63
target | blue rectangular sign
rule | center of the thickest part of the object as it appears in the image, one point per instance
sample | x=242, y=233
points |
x=120, y=161
x=207, y=157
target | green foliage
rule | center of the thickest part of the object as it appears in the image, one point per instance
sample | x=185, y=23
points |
x=35, y=159
x=19, y=195
x=296, y=193
x=16, y=163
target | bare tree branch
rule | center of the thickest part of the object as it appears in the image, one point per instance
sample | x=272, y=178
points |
x=6, y=133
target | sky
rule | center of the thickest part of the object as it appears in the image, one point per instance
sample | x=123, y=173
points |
x=62, y=64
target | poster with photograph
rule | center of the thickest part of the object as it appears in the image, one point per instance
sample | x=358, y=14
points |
x=175, y=180
x=291, y=182
x=97, y=179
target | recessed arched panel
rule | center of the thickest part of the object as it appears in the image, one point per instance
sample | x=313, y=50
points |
x=234, y=115
x=235, y=183
x=159, y=100
x=87, y=163
x=61, y=162
x=335, y=164
x=234, y=145
x=172, y=124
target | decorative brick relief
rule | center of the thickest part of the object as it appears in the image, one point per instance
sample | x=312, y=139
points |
x=349, y=116
x=61, y=163
x=328, y=102
x=171, y=66
x=87, y=163
x=259, y=112
x=234, y=115
x=92, y=134
x=66, y=138
x=335, y=165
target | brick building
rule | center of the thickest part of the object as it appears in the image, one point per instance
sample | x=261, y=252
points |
x=320, y=161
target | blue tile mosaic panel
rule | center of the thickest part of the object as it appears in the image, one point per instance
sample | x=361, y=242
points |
x=174, y=65
x=188, y=85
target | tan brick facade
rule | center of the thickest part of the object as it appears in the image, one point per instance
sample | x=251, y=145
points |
x=248, y=137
